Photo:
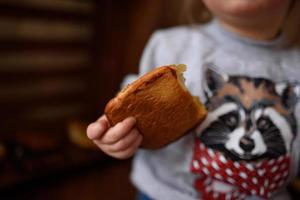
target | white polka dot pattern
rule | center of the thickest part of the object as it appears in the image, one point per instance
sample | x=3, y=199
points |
x=262, y=178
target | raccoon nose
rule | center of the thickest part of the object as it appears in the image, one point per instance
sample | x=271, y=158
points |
x=247, y=144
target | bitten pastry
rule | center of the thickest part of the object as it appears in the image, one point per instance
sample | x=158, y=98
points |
x=162, y=105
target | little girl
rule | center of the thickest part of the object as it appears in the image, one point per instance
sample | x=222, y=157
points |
x=241, y=66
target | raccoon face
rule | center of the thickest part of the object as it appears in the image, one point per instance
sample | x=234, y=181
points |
x=249, y=118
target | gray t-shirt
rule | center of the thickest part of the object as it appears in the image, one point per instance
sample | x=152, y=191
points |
x=248, y=145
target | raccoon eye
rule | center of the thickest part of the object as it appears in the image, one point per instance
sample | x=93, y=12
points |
x=263, y=124
x=230, y=120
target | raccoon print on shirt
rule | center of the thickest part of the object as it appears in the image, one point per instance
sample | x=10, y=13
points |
x=243, y=146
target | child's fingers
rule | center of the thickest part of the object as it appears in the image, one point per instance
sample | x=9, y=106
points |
x=103, y=118
x=119, y=131
x=123, y=143
x=126, y=153
x=95, y=130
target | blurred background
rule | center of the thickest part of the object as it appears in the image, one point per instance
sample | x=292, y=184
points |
x=60, y=62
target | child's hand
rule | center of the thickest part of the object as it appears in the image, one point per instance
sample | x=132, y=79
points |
x=120, y=141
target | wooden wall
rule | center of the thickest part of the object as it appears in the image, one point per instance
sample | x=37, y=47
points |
x=65, y=59
x=45, y=59
x=60, y=61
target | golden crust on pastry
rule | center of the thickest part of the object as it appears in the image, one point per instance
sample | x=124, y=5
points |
x=162, y=105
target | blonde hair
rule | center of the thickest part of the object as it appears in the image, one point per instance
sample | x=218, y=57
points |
x=194, y=11
x=291, y=26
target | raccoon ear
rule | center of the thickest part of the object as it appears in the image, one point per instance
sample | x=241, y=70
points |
x=213, y=79
x=289, y=93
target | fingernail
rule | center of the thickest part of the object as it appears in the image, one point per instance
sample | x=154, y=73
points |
x=131, y=120
x=96, y=128
x=134, y=120
x=100, y=127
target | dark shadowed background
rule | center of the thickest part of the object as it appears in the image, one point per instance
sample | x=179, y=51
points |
x=60, y=62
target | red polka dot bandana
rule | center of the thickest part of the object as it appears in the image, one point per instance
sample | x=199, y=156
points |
x=261, y=179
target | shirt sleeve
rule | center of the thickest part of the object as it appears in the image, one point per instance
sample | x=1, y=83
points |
x=147, y=62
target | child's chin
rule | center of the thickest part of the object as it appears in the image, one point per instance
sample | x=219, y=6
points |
x=248, y=8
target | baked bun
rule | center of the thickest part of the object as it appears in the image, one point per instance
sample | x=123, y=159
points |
x=162, y=105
